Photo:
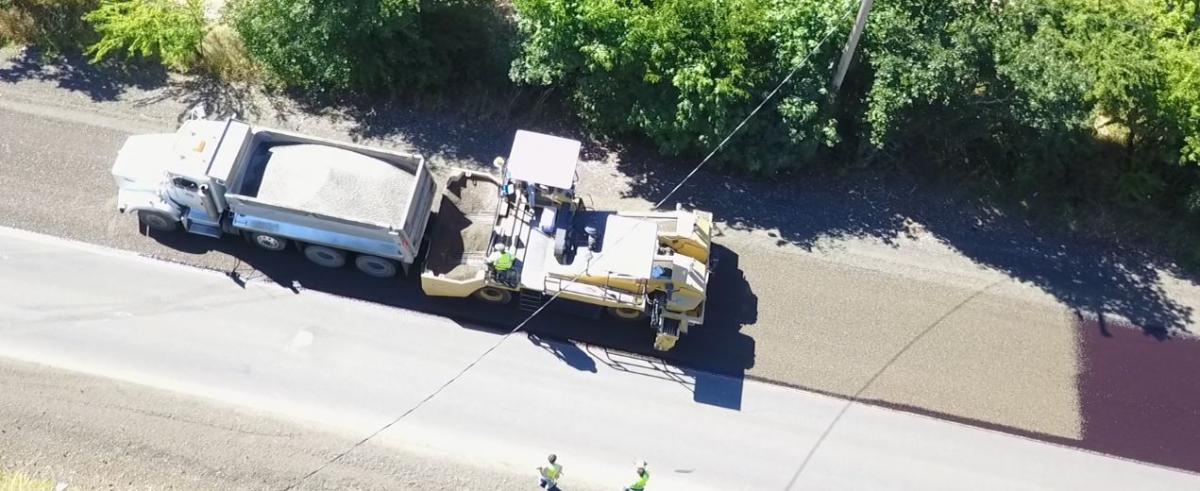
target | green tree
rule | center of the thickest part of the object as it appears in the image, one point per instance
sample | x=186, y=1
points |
x=807, y=37
x=933, y=87
x=1139, y=59
x=169, y=30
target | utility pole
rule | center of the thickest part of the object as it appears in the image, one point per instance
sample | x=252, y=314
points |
x=851, y=44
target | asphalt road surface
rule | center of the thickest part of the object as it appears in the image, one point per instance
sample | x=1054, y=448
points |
x=93, y=433
x=352, y=367
x=835, y=290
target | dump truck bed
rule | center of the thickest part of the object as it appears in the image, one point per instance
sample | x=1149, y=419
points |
x=332, y=193
x=335, y=182
x=328, y=180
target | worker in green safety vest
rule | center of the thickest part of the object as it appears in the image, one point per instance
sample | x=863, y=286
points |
x=643, y=477
x=500, y=259
x=550, y=474
x=502, y=263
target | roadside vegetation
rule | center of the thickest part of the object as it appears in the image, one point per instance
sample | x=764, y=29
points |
x=169, y=30
x=1083, y=112
x=17, y=481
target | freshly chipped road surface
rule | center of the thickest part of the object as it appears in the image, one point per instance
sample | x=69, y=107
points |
x=352, y=366
x=913, y=324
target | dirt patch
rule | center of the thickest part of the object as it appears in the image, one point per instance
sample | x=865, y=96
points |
x=463, y=228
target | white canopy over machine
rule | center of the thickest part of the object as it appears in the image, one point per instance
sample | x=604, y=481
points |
x=544, y=160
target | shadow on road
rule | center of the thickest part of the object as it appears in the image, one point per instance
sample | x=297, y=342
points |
x=718, y=346
x=707, y=388
x=100, y=81
x=1082, y=273
x=466, y=127
x=568, y=352
x=218, y=98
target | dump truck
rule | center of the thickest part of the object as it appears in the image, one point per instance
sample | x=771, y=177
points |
x=333, y=199
x=381, y=210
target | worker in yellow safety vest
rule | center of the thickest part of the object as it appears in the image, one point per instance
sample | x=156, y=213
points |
x=500, y=259
x=550, y=474
x=643, y=477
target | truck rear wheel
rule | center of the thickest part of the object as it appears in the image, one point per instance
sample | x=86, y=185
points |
x=491, y=294
x=376, y=266
x=158, y=220
x=625, y=314
x=269, y=242
x=325, y=256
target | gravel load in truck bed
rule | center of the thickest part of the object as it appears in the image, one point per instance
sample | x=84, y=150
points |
x=336, y=182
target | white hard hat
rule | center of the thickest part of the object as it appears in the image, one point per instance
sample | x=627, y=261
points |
x=499, y=247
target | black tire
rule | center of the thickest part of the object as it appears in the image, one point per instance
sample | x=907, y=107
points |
x=325, y=256
x=375, y=266
x=157, y=220
x=625, y=314
x=268, y=242
x=493, y=295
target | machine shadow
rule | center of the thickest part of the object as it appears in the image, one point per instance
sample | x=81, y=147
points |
x=567, y=352
x=717, y=347
x=709, y=388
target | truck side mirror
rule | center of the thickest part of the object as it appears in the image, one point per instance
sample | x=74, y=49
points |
x=197, y=111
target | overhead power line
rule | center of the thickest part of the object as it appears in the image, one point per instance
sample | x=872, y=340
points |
x=554, y=297
x=771, y=95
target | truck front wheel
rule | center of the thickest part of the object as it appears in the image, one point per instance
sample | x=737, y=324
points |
x=158, y=220
x=325, y=256
x=375, y=266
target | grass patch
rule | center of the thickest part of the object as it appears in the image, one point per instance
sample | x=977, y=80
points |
x=223, y=55
x=16, y=26
x=18, y=481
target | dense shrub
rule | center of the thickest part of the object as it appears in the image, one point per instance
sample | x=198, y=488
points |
x=377, y=46
x=53, y=25
x=681, y=72
x=1040, y=91
x=348, y=44
x=168, y=30
x=470, y=41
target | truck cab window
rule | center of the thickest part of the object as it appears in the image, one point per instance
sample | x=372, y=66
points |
x=185, y=184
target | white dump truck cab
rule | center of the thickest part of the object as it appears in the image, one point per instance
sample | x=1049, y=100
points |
x=179, y=178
